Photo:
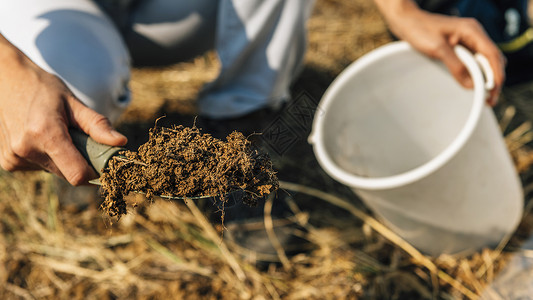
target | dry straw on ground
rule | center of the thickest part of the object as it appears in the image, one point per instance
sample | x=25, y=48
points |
x=169, y=250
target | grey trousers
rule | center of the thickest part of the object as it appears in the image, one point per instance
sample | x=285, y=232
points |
x=91, y=45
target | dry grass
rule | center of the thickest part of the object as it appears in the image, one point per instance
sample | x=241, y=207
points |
x=168, y=250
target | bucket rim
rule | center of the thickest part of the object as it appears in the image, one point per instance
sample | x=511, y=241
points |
x=389, y=182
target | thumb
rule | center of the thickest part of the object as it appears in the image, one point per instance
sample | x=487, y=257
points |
x=95, y=125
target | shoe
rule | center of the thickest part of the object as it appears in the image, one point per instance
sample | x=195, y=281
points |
x=244, y=225
x=245, y=228
x=248, y=125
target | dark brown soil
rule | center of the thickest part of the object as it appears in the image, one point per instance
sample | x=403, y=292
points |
x=183, y=162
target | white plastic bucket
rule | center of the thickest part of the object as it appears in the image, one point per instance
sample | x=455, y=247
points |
x=425, y=154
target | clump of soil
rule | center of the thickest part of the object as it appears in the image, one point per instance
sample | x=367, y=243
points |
x=183, y=162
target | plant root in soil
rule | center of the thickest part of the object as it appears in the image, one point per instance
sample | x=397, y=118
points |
x=183, y=162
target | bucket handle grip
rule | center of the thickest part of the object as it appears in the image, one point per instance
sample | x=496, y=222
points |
x=487, y=70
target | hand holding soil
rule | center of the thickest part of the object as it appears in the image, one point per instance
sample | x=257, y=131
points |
x=183, y=162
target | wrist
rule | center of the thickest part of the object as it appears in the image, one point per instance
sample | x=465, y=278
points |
x=399, y=14
x=8, y=52
x=11, y=57
x=393, y=9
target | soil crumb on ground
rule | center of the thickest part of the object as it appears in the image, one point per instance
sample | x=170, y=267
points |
x=183, y=162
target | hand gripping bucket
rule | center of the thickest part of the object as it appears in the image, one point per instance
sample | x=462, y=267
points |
x=425, y=154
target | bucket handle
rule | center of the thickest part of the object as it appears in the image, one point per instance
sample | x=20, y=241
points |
x=486, y=69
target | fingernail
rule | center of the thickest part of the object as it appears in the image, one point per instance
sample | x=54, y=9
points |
x=493, y=100
x=467, y=82
x=117, y=134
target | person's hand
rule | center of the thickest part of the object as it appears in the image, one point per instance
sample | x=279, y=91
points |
x=36, y=110
x=436, y=35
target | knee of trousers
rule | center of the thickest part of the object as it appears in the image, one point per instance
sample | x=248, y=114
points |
x=103, y=88
x=94, y=64
x=82, y=47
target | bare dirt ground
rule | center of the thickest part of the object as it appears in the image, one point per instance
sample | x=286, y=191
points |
x=51, y=249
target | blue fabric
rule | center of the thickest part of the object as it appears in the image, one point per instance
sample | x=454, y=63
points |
x=491, y=14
